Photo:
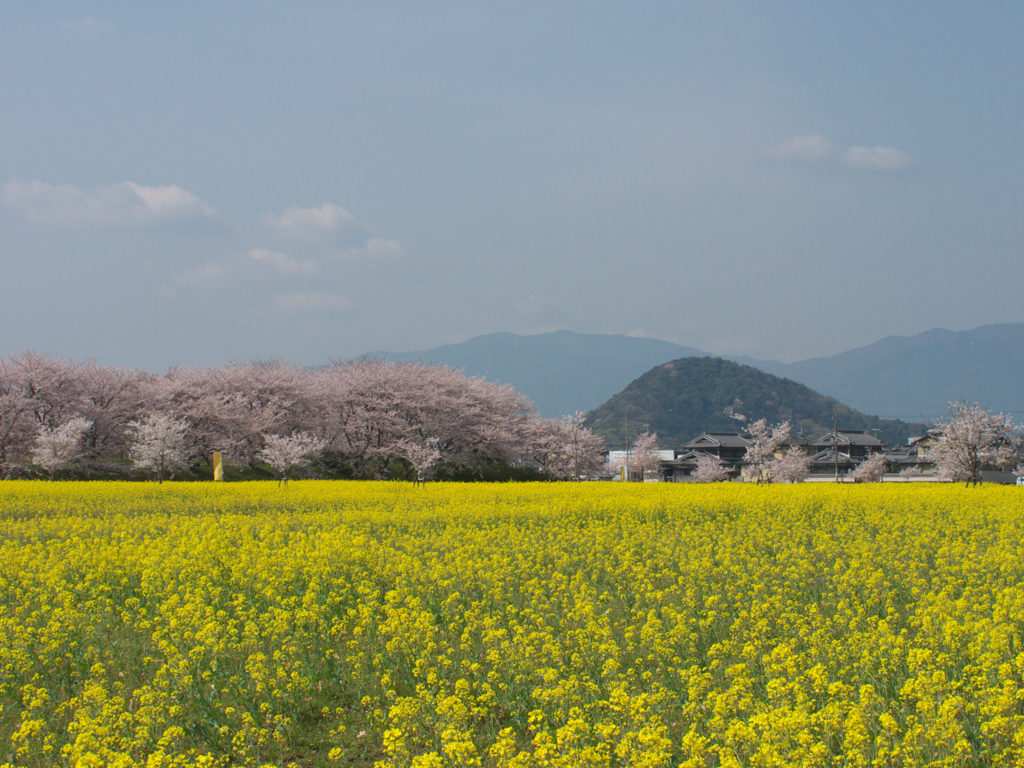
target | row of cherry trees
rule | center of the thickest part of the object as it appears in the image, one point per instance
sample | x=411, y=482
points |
x=358, y=418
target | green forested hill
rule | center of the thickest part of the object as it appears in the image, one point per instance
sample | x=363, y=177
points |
x=684, y=397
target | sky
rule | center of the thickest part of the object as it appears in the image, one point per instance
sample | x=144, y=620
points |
x=203, y=183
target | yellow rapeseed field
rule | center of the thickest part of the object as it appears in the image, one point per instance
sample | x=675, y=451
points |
x=385, y=624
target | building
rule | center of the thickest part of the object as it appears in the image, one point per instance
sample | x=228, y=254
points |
x=840, y=451
x=728, y=447
x=617, y=461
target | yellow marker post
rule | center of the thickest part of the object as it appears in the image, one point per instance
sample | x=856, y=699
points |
x=218, y=467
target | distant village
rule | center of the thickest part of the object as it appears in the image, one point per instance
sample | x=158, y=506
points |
x=835, y=456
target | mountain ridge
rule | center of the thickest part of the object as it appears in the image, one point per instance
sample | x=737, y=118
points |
x=916, y=376
x=561, y=372
x=907, y=377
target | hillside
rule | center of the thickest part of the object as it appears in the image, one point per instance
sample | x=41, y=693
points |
x=684, y=397
x=561, y=372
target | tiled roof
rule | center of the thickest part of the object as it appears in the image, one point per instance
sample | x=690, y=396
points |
x=850, y=437
x=829, y=457
x=719, y=439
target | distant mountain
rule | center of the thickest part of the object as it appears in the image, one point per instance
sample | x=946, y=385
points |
x=916, y=376
x=561, y=372
x=684, y=397
x=898, y=377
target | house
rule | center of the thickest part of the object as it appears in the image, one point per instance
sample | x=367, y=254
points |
x=921, y=448
x=679, y=468
x=913, y=456
x=831, y=461
x=855, y=443
x=840, y=451
x=728, y=447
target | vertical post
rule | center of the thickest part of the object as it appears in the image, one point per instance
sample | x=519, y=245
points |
x=218, y=467
x=835, y=442
x=626, y=475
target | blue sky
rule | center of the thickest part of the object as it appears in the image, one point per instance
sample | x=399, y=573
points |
x=197, y=183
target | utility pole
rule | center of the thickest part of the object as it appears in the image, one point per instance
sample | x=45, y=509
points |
x=625, y=475
x=835, y=442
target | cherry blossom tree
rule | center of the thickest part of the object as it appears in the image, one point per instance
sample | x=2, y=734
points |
x=644, y=456
x=372, y=409
x=288, y=453
x=230, y=409
x=792, y=467
x=58, y=447
x=908, y=473
x=15, y=427
x=971, y=439
x=871, y=470
x=562, y=448
x=265, y=396
x=109, y=397
x=422, y=456
x=580, y=449
x=51, y=387
x=156, y=443
x=475, y=422
x=710, y=469
x=765, y=442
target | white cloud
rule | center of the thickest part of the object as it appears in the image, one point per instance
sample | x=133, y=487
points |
x=118, y=205
x=815, y=148
x=309, y=223
x=374, y=249
x=282, y=262
x=311, y=302
x=169, y=202
x=876, y=158
x=383, y=248
x=810, y=148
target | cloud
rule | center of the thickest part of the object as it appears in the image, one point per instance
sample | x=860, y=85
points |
x=876, y=158
x=309, y=223
x=333, y=230
x=383, y=248
x=311, y=302
x=809, y=148
x=118, y=205
x=373, y=249
x=282, y=262
x=815, y=148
